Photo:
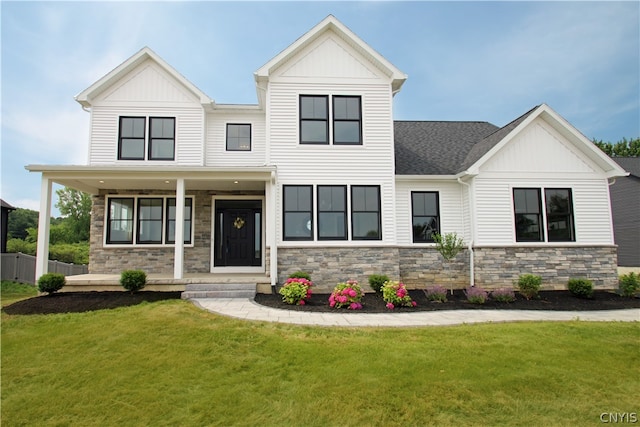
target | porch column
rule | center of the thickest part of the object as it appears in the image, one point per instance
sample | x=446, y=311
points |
x=178, y=257
x=44, y=223
x=271, y=231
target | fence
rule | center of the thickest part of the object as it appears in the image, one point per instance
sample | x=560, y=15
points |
x=21, y=268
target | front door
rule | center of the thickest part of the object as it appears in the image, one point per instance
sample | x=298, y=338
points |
x=238, y=233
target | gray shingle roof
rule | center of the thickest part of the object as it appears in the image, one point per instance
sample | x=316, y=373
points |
x=630, y=164
x=445, y=148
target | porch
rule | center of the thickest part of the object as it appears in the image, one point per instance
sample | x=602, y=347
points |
x=166, y=282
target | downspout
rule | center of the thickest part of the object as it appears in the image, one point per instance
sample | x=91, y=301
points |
x=472, y=232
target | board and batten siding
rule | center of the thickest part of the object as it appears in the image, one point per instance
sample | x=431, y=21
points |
x=147, y=91
x=450, y=207
x=216, y=139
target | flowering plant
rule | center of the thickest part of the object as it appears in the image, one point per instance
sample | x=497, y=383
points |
x=503, y=295
x=296, y=291
x=436, y=294
x=347, y=295
x=476, y=295
x=395, y=294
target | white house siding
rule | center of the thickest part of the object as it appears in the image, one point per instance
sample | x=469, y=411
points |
x=147, y=91
x=216, y=139
x=451, y=211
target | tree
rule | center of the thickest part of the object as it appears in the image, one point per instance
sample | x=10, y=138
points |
x=75, y=207
x=19, y=221
x=624, y=148
x=449, y=245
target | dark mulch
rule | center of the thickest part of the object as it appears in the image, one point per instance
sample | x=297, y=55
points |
x=548, y=300
x=77, y=302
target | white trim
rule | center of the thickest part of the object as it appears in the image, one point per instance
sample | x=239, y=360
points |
x=263, y=238
x=44, y=225
x=178, y=258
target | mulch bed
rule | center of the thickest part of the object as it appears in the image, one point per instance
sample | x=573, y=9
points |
x=77, y=302
x=548, y=300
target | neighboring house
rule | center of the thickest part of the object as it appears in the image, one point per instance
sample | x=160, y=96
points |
x=317, y=176
x=625, y=204
x=4, y=221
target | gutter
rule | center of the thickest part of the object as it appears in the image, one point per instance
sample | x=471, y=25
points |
x=472, y=232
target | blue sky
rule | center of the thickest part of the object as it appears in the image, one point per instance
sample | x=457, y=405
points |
x=485, y=61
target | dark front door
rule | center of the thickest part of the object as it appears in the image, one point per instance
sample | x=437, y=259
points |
x=238, y=234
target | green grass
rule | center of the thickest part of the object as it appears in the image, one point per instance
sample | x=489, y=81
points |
x=170, y=363
x=11, y=292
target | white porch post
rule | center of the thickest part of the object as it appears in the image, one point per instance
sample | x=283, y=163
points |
x=271, y=231
x=178, y=258
x=44, y=223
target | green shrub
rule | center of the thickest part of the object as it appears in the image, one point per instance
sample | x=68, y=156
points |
x=300, y=275
x=529, y=285
x=133, y=280
x=296, y=290
x=376, y=281
x=476, y=295
x=503, y=295
x=346, y=295
x=395, y=294
x=51, y=282
x=629, y=284
x=436, y=294
x=582, y=288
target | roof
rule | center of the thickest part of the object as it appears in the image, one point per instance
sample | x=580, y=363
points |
x=436, y=147
x=630, y=164
x=460, y=148
x=6, y=205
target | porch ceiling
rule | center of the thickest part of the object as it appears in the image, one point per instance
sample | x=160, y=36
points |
x=93, y=179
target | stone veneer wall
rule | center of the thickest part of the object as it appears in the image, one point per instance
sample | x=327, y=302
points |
x=329, y=265
x=499, y=266
x=110, y=260
x=424, y=267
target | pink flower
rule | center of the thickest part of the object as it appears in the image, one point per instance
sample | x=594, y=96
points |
x=342, y=299
x=301, y=302
x=413, y=303
x=352, y=293
x=332, y=303
x=354, y=306
x=390, y=306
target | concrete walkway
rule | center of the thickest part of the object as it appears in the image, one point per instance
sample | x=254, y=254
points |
x=248, y=309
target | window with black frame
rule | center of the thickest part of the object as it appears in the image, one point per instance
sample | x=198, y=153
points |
x=425, y=216
x=314, y=119
x=332, y=212
x=298, y=212
x=528, y=214
x=365, y=212
x=161, y=138
x=347, y=119
x=559, y=210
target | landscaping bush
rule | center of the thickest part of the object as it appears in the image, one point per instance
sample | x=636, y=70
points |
x=476, y=295
x=503, y=295
x=529, y=285
x=296, y=291
x=629, y=284
x=395, y=294
x=51, y=282
x=347, y=295
x=436, y=294
x=133, y=280
x=376, y=281
x=300, y=275
x=582, y=288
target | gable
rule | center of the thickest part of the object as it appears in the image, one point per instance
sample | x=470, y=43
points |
x=539, y=148
x=328, y=56
x=148, y=83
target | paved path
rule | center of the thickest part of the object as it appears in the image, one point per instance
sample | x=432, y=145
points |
x=248, y=309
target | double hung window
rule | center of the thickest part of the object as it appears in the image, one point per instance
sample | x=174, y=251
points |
x=530, y=218
x=332, y=212
x=315, y=123
x=425, y=217
x=298, y=212
x=365, y=212
x=133, y=143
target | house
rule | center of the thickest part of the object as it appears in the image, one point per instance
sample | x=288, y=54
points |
x=6, y=208
x=625, y=204
x=318, y=176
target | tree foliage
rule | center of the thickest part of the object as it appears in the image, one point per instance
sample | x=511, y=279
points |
x=624, y=148
x=20, y=221
x=75, y=207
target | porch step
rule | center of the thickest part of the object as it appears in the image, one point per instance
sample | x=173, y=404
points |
x=219, y=290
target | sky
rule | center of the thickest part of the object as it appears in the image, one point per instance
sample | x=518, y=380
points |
x=478, y=61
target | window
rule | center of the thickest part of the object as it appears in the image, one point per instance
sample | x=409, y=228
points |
x=332, y=212
x=425, y=216
x=162, y=138
x=559, y=215
x=120, y=220
x=527, y=204
x=314, y=119
x=365, y=212
x=346, y=120
x=238, y=137
x=152, y=220
x=171, y=220
x=298, y=222
x=131, y=140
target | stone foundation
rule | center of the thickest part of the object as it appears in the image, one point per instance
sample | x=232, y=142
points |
x=424, y=267
x=329, y=266
x=498, y=267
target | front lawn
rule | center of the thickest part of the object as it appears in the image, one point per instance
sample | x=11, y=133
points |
x=170, y=363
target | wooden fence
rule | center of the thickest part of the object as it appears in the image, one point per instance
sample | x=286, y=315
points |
x=20, y=267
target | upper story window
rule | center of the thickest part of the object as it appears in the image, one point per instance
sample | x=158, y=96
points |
x=424, y=215
x=558, y=215
x=345, y=127
x=347, y=120
x=133, y=143
x=238, y=137
x=314, y=119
